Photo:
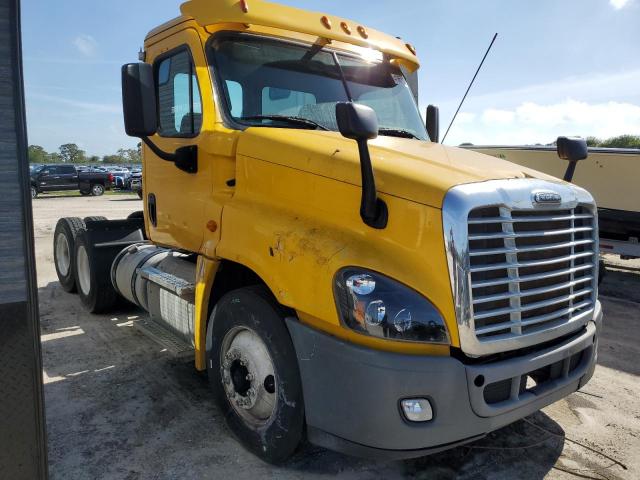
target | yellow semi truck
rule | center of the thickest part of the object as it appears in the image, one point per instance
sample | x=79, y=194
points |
x=339, y=274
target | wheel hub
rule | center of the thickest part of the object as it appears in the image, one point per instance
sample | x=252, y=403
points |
x=248, y=375
x=240, y=378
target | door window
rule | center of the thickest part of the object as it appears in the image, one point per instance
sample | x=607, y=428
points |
x=235, y=98
x=179, y=103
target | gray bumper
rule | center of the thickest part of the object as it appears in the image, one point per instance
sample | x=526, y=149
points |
x=352, y=393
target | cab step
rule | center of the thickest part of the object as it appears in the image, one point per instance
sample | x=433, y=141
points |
x=172, y=343
x=176, y=285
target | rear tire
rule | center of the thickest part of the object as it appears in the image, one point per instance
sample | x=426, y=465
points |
x=93, y=277
x=64, y=241
x=247, y=339
x=97, y=190
x=97, y=218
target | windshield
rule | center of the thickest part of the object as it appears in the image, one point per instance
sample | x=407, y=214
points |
x=272, y=83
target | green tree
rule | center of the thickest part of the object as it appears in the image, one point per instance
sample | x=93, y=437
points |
x=111, y=159
x=94, y=159
x=71, y=153
x=37, y=154
x=622, y=141
x=129, y=155
x=54, y=158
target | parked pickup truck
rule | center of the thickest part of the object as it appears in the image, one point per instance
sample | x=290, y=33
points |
x=53, y=178
x=135, y=183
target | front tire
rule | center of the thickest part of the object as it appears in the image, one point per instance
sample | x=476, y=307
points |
x=253, y=371
x=97, y=190
x=64, y=242
x=34, y=192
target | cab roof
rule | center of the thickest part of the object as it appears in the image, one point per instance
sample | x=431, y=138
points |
x=267, y=14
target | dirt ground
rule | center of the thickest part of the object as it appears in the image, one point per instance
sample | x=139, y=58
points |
x=119, y=407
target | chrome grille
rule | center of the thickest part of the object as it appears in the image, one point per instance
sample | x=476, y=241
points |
x=530, y=269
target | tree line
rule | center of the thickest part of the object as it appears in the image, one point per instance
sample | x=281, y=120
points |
x=622, y=141
x=71, y=153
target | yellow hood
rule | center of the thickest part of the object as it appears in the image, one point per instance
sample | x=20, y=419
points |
x=415, y=170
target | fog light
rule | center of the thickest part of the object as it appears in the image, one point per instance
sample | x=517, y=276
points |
x=417, y=409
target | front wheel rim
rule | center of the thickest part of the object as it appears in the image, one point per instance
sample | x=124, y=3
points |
x=248, y=376
x=84, y=270
x=97, y=190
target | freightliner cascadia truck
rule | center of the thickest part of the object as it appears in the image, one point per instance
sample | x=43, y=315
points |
x=339, y=274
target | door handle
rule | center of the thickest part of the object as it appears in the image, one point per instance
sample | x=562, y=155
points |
x=151, y=208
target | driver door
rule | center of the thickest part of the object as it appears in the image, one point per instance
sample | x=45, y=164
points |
x=176, y=201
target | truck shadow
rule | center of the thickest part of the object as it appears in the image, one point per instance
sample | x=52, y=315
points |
x=619, y=347
x=622, y=284
x=527, y=449
x=119, y=406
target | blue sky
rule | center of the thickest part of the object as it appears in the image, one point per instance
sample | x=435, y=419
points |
x=559, y=67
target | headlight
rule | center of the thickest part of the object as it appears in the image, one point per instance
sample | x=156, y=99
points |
x=375, y=305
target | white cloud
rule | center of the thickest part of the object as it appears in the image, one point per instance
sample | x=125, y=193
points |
x=618, y=4
x=492, y=116
x=86, y=45
x=89, y=107
x=531, y=123
x=466, y=117
x=593, y=88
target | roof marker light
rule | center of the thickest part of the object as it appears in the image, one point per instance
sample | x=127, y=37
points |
x=326, y=22
x=244, y=6
x=411, y=48
x=363, y=32
x=345, y=26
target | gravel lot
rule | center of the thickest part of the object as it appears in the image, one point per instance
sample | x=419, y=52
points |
x=119, y=407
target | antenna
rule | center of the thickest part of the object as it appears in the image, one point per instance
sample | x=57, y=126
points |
x=470, y=85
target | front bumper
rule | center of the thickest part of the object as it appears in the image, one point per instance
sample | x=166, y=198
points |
x=352, y=394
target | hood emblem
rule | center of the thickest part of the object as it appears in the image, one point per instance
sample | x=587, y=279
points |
x=547, y=197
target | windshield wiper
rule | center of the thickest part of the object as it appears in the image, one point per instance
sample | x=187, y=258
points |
x=287, y=119
x=397, y=132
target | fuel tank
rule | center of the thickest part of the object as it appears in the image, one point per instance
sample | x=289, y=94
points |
x=160, y=281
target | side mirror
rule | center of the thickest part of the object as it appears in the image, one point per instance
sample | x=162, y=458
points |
x=140, y=116
x=572, y=149
x=360, y=123
x=357, y=122
x=139, y=100
x=433, y=123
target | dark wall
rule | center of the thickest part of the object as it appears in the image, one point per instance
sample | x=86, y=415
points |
x=22, y=438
